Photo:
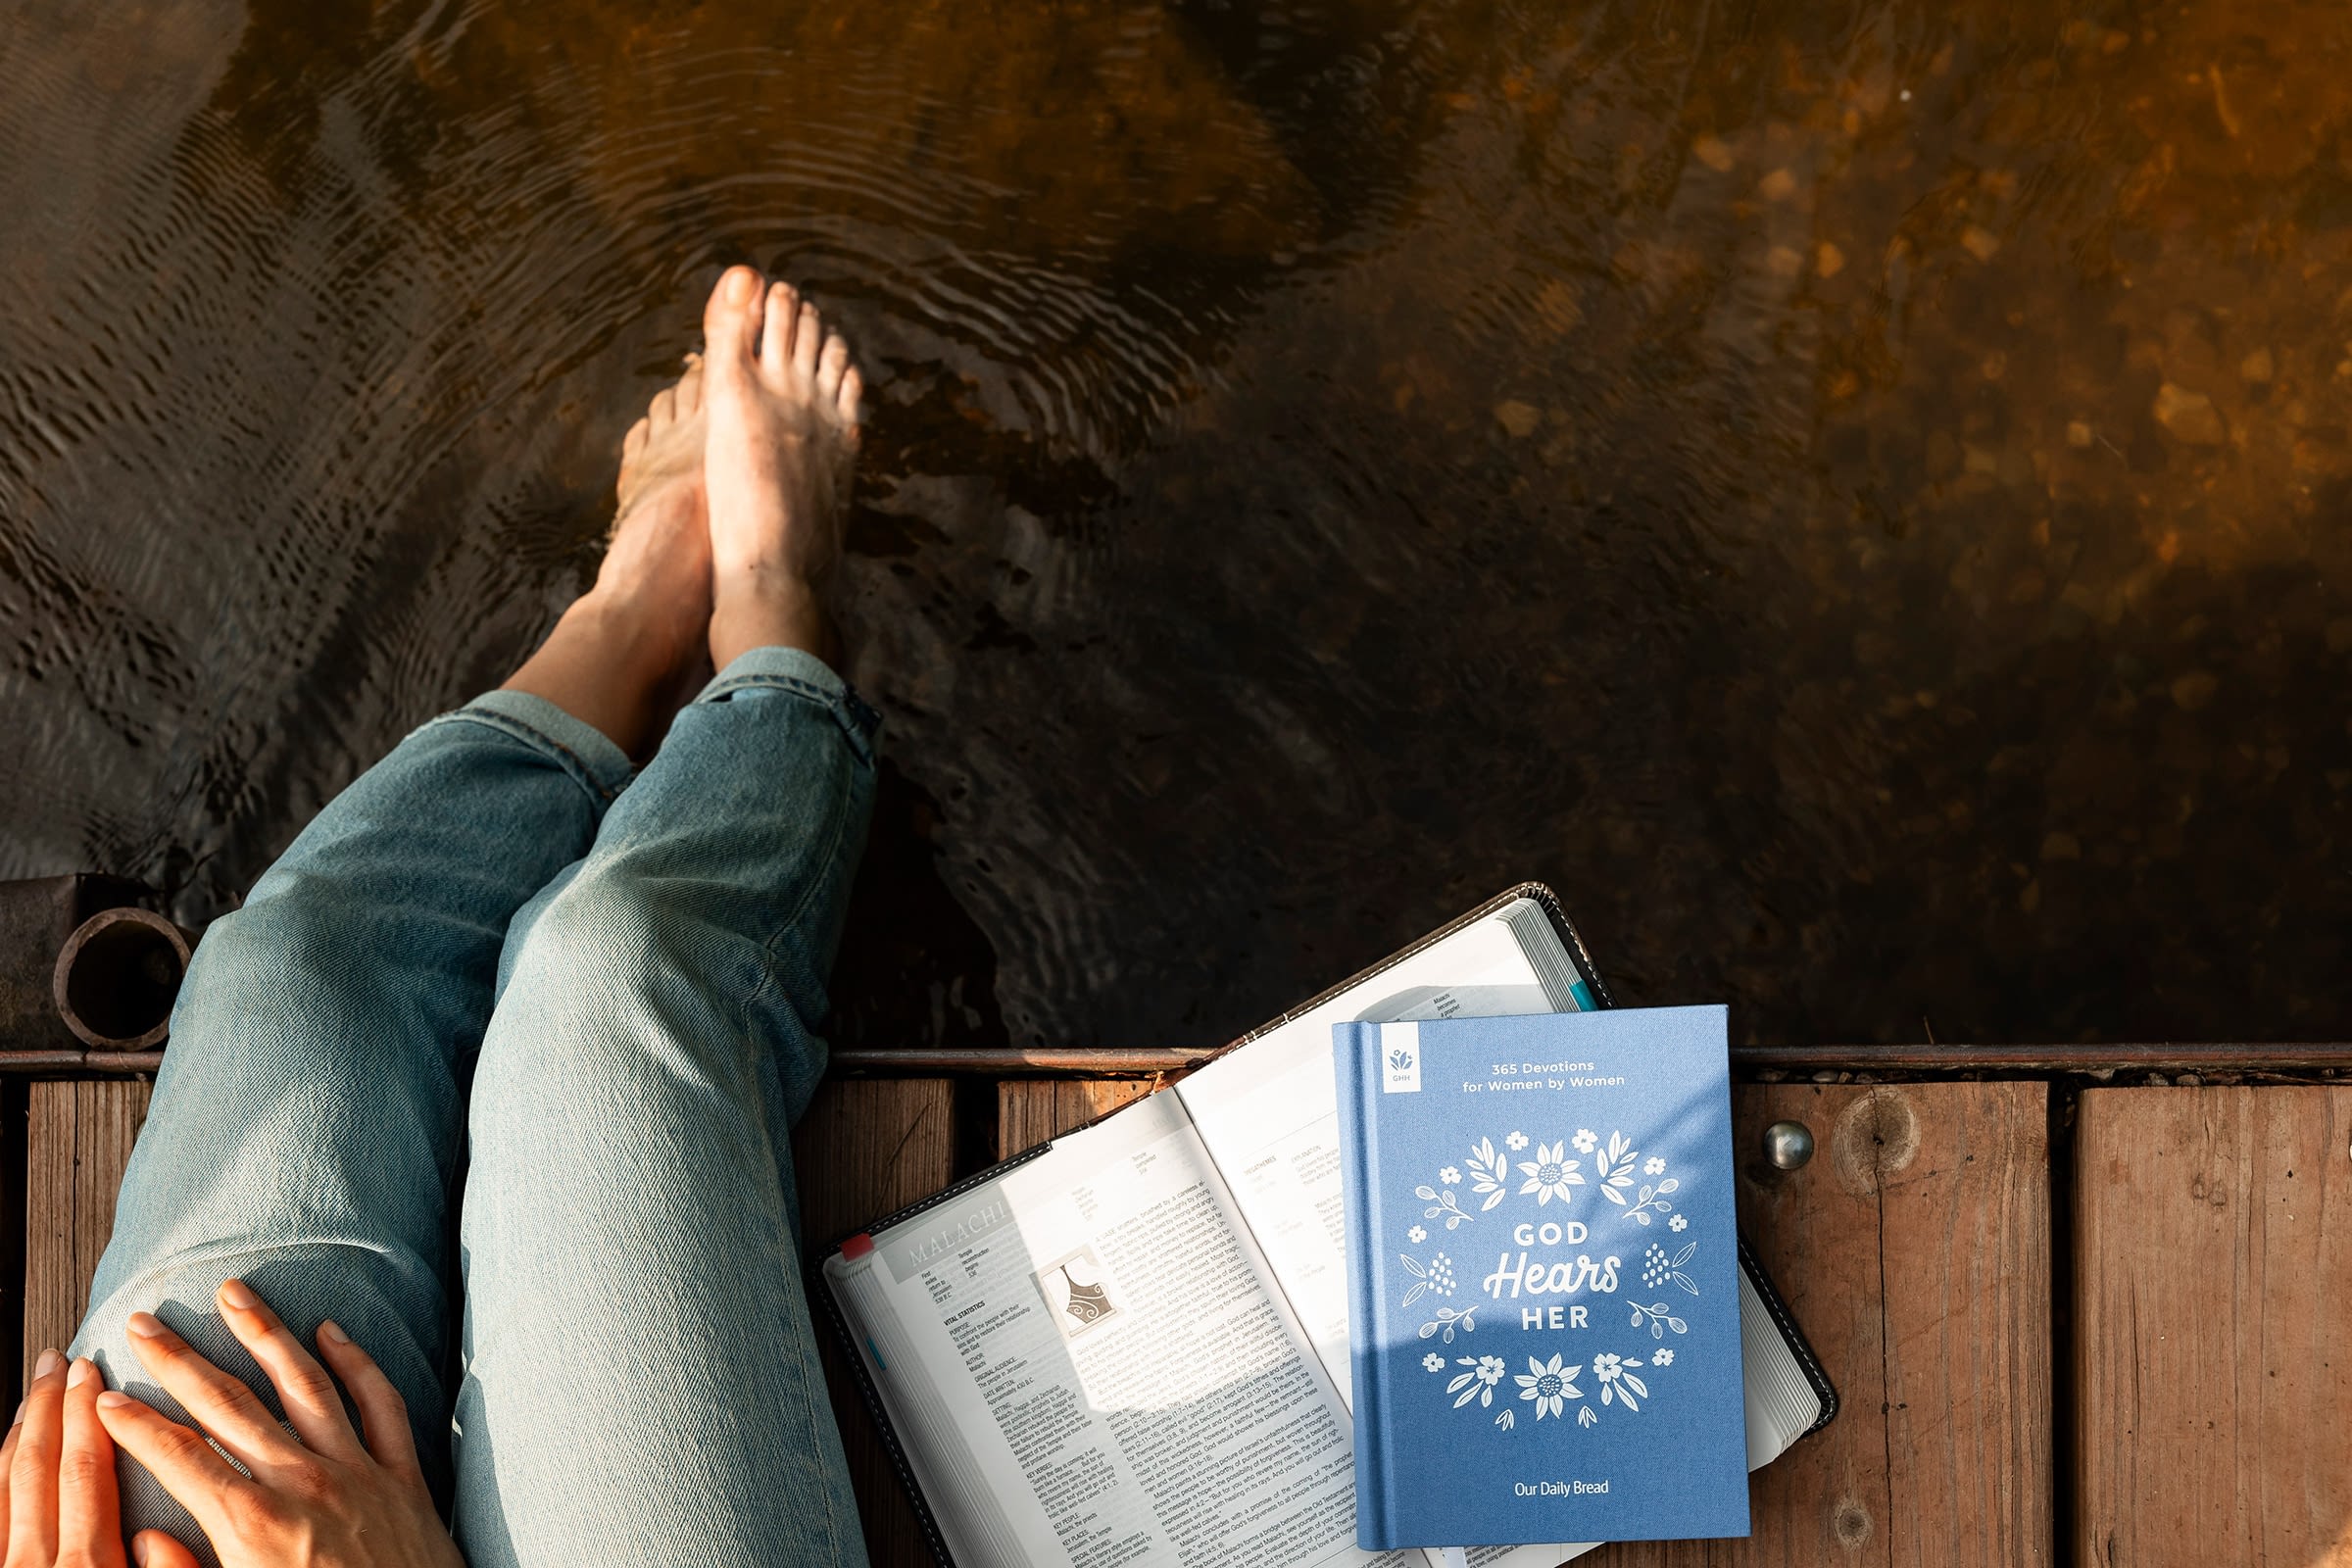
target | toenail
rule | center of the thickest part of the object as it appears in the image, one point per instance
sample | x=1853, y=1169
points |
x=739, y=285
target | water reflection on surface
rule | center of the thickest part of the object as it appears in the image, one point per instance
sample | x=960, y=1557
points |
x=1852, y=495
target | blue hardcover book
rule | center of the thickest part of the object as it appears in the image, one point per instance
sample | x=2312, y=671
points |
x=1543, y=1272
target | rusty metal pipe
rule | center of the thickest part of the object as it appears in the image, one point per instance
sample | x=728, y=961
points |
x=116, y=977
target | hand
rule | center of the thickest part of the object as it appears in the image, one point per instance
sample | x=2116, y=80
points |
x=59, y=1508
x=330, y=1500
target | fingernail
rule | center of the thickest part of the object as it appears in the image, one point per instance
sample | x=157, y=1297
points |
x=49, y=1362
x=239, y=1294
x=112, y=1399
x=739, y=285
x=146, y=1325
x=332, y=1332
x=138, y=1550
x=16, y=1420
x=81, y=1373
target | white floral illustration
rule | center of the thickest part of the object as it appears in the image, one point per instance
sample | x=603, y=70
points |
x=1433, y=1363
x=1585, y=1137
x=1658, y=1317
x=1549, y=1174
x=1549, y=1385
x=1617, y=1382
x=1613, y=1169
x=1449, y=1176
x=1662, y=1358
x=1516, y=1141
x=1489, y=1171
x=1506, y=1419
x=1416, y=1236
x=1433, y=1278
x=1677, y=1224
x=1658, y=1266
x=1584, y=1416
x=1442, y=1205
x=1475, y=1383
x=1653, y=1166
x=1449, y=1319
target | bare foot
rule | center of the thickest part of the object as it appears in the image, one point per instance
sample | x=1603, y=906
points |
x=632, y=650
x=782, y=405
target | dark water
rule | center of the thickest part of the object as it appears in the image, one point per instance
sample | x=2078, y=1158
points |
x=1854, y=495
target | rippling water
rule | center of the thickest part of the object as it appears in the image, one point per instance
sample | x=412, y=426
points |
x=1854, y=495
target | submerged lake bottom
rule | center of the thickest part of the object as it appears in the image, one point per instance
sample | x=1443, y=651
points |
x=1854, y=497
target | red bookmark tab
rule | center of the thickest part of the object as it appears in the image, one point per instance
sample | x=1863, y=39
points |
x=856, y=1247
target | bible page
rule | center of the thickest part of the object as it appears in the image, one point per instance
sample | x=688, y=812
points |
x=1126, y=1386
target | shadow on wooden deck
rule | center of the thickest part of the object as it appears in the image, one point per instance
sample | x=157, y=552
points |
x=2099, y=1325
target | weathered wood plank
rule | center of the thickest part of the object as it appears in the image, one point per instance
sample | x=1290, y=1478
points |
x=868, y=1146
x=78, y=1141
x=1030, y=1111
x=1914, y=1249
x=2214, y=1346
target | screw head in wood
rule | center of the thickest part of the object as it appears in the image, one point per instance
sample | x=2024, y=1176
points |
x=1788, y=1144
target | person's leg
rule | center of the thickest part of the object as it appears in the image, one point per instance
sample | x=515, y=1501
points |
x=304, y=1127
x=641, y=1385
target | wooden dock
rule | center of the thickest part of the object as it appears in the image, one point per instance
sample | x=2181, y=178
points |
x=2069, y=1322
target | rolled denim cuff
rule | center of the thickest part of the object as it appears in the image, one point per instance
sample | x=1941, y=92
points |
x=805, y=675
x=578, y=747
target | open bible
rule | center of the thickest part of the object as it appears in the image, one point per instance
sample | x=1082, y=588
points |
x=1130, y=1346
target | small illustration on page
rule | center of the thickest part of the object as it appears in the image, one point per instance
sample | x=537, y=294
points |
x=1078, y=1290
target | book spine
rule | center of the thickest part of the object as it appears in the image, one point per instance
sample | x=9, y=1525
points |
x=1357, y=1051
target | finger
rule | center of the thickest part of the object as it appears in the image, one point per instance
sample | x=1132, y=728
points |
x=314, y=1410
x=224, y=1407
x=383, y=1411
x=90, y=1517
x=155, y=1549
x=32, y=1471
x=8, y=1460
x=178, y=1457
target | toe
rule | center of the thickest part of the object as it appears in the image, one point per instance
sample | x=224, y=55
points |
x=783, y=314
x=806, y=340
x=690, y=388
x=831, y=365
x=731, y=321
x=633, y=443
x=851, y=401
x=664, y=411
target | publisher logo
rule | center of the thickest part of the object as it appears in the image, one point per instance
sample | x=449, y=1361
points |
x=1400, y=1058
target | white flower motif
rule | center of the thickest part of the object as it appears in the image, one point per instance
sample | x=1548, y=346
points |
x=1661, y=1358
x=1550, y=1383
x=1653, y=1166
x=1677, y=1224
x=1450, y=1175
x=1584, y=1139
x=1549, y=1174
x=1491, y=1370
x=1433, y=1363
x=1416, y=1236
x=1606, y=1368
x=1516, y=1141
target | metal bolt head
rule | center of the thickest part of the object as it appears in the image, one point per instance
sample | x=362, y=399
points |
x=1788, y=1144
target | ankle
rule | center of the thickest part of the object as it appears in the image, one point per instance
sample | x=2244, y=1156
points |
x=768, y=609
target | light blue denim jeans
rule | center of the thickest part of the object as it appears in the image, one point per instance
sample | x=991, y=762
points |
x=632, y=971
